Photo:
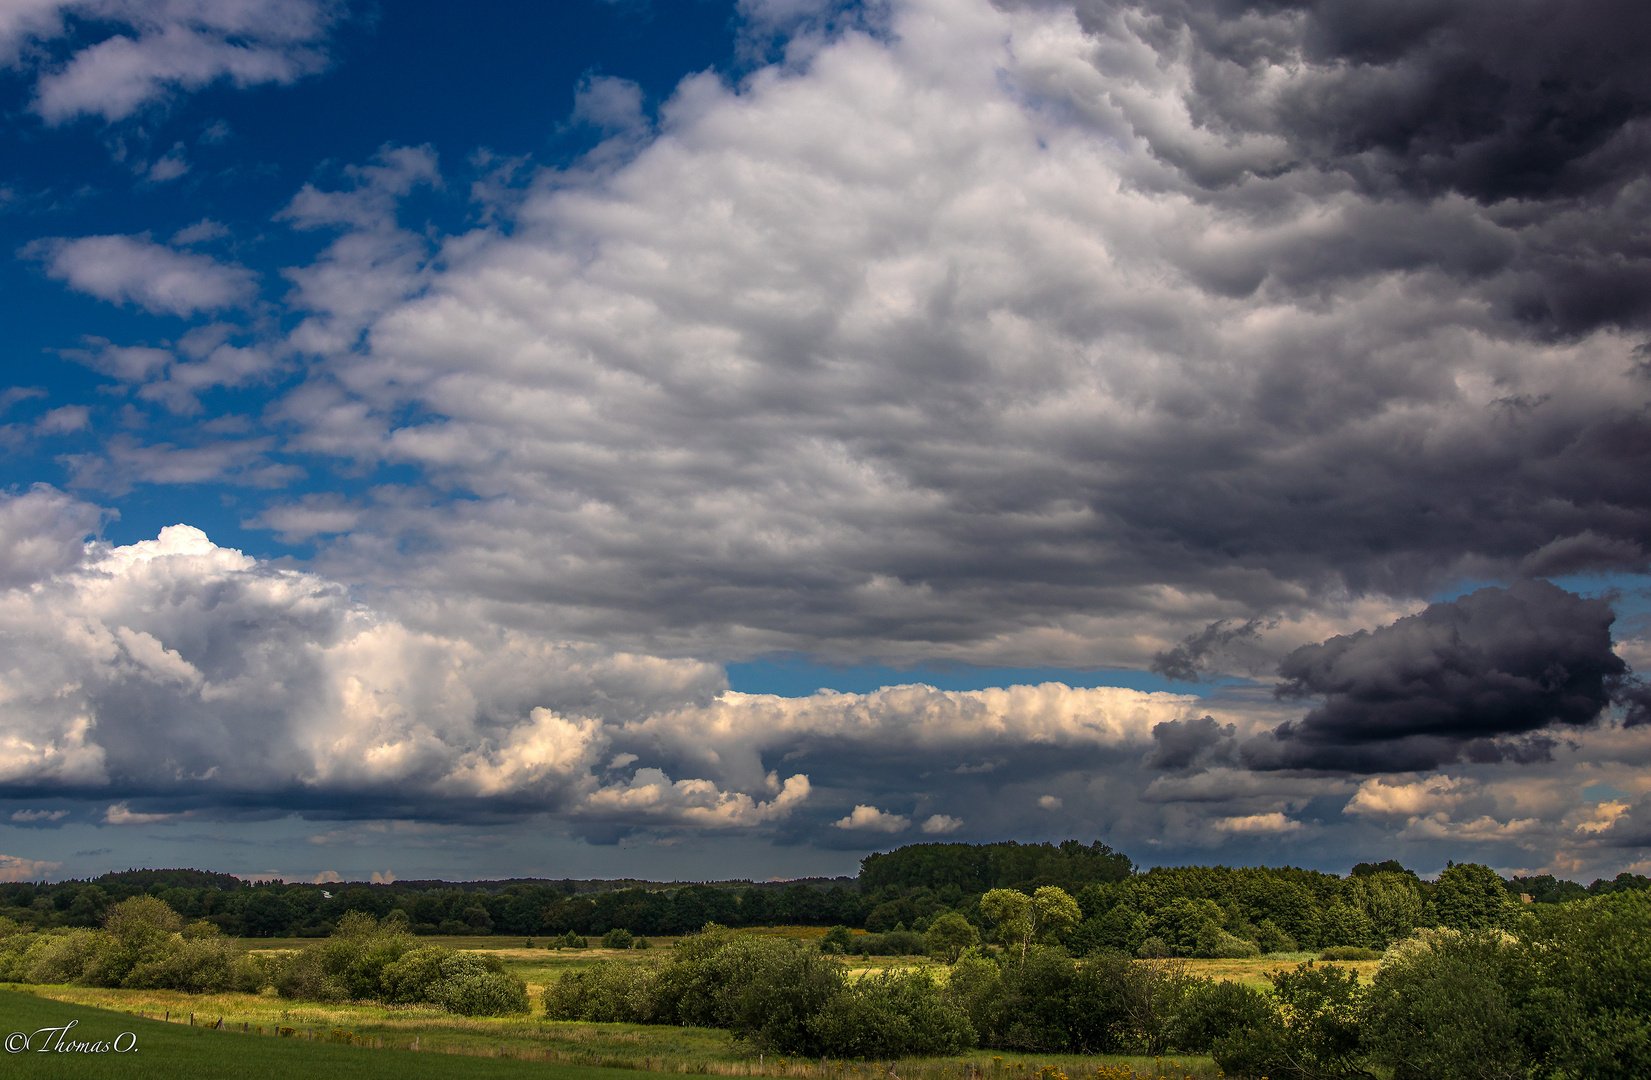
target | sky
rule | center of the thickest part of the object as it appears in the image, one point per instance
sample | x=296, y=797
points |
x=692, y=439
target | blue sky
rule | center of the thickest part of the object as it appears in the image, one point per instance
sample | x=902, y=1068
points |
x=442, y=444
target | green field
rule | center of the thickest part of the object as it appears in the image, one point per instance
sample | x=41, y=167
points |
x=180, y=1052
x=385, y=1035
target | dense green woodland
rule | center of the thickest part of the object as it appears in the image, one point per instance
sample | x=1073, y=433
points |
x=1166, y=910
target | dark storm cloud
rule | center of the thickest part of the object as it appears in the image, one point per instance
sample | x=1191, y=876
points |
x=1183, y=743
x=1471, y=678
x=1187, y=661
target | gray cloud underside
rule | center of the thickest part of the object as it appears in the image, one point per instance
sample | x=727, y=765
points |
x=1016, y=336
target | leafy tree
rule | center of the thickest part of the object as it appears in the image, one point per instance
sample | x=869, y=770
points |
x=1469, y=896
x=1441, y=1008
x=949, y=936
x=1025, y=920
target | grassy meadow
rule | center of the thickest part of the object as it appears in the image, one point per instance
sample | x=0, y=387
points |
x=393, y=1032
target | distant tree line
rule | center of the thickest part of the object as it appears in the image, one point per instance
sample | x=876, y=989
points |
x=1166, y=911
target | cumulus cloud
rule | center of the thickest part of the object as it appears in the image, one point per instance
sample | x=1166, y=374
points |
x=136, y=270
x=941, y=824
x=13, y=868
x=111, y=58
x=1023, y=334
x=871, y=819
x=1264, y=824
x=1466, y=677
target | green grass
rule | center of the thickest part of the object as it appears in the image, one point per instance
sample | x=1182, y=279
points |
x=653, y=1048
x=180, y=1052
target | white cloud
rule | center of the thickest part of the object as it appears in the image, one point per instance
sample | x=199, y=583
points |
x=39, y=815
x=1264, y=824
x=13, y=868
x=1050, y=802
x=162, y=47
x=123, y=814
x=941, y=824
x=870, y=819
x=1378, y=797
x=136, y=270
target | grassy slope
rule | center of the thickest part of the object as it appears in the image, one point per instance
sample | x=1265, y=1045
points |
x=179, y=1052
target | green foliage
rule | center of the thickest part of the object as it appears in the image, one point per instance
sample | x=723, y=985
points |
x=366, y=960
x=1469, y=896
x=1213, y=1009
x=1349, y=952
x=837, y=941
x=1441, y=1008
x=617, y=938
x=1586, y=987
x=1310, y=1032
x=893, y=943
x=949, y=936
x=891, y=1015
x=1023, y=921
x=979, y=868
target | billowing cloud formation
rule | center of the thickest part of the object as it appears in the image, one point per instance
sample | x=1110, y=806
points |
x=1023, y=334
x=161, y=47
x=175, y=674
x=1448, y=682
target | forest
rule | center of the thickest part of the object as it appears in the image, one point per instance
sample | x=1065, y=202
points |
x=1163, y=908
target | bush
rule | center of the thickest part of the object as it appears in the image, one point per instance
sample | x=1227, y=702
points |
x=641, y=943
x=617, y=938
x=1269, y=938
x=1310, y=1029
x=571, y=940
x=894, y=1014
x=1349, y=952
x=893, y=943
x=607, y=992
x=466, y=983
x=1442, y=1010
x=1212, y=1010
x=58, y=957
x=1585, y=987
x=1225, y=946
x=348, y=966
x=837, y=941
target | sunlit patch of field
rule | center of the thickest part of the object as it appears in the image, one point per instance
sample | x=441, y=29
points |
x=1253, y=972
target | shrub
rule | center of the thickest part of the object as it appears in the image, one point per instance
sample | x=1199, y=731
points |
x=641, y=943
x=894, y=1014
x=1310, y=1029
x=1212, y=1010
x=837, y=940
x=1585, y=988
x=1349, y=952
x=1269, y=938
x=1443, y=1010
x=59, y=957
x=470, y=984
x=349, y=965
x=617, y=938
x=571, y=940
